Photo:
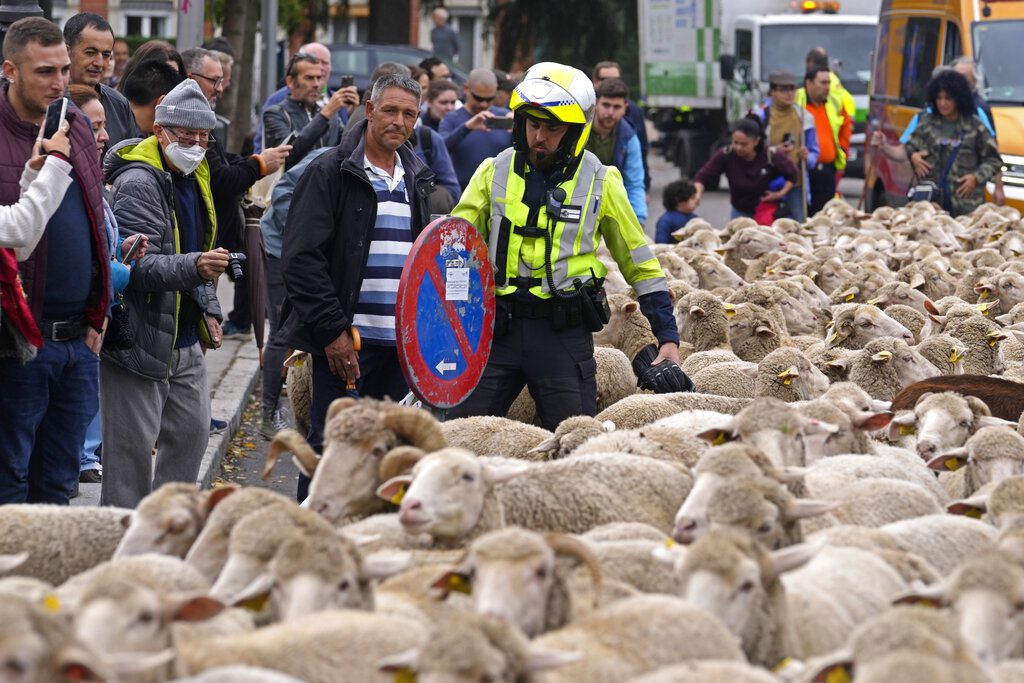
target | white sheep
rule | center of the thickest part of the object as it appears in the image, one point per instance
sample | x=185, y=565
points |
x=487, y=435
x=942, y=422
x=990, y=455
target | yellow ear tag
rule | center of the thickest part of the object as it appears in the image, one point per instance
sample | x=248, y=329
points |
x=299, y=362
x=719, y=440
x=721, y=252
x=839, y=675
x=983, y=295
x=955, y=356
x=952, y=464
x=399, y=495
x=457, y=583
x=849, y=297
x=973, y=513
x=730, y=310
x=51, y=603
x=769, y=271
x=993, y=341
x=906, y=429
x=832, y=337
x=783, y=665
x=255, y=604
x=669, y=543
x=787, y=381
x=405, y=676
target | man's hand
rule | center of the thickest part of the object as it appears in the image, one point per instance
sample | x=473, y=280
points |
x=339, y=99
x=479, y=121
x=126, y=246
x=350, y=95
x=668, y=351
x=216, y=334
x=803, y=153
x=771, y=196
x=212, y=263
x=921, y=167
x=966, y=185
x=58, y=143
x=275, y=157
x=93, y=339
x=998, y=194
x=342, y=357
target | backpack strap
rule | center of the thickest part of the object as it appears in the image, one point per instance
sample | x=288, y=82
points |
x=427, y=144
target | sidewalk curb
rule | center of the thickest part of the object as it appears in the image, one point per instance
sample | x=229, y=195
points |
x=227, y=403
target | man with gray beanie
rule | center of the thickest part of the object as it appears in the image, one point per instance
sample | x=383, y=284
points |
x=155, y=390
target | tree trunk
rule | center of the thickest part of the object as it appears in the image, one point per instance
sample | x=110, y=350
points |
x=241, y=124
x=233, y=30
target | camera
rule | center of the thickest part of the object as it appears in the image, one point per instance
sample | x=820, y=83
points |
x=235, y=261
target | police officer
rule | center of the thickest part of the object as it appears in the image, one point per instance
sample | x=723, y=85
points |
x=543, y=206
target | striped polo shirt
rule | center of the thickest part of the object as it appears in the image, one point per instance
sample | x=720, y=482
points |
x=389, y=247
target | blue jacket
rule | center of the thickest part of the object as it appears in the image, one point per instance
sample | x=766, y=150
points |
x=669, y=222
x=628, y=158
x=273, y=221
x=914, y=122
x=441, y=163
x=635, y=116
x=470, y=147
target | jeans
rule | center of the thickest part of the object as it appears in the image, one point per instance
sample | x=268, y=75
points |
x=796, y=205
x=90, y=459
x=45, y=407
x=380, y=376
x=276, y=351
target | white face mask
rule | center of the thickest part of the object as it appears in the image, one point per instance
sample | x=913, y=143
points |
x=185, y=159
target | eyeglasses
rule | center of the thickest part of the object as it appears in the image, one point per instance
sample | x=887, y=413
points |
x=482, y=99
x=217, y=82
x=189, y=139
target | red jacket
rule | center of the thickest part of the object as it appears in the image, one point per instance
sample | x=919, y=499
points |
x=15, y=149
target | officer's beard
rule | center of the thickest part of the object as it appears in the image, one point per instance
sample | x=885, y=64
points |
x=544, y=161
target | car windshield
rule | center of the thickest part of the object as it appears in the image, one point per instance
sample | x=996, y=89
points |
x=849, y=46
x=346, y=60
x=995, y=43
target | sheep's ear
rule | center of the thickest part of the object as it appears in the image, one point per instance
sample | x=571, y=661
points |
x=393, y=490
x=802, y=508
x=904, y=425
x=215, y=496
x=1004, y=319
x=813, y=426
x=930, y=307
x=790, y=475
x=9, y=562
x=939, y=320
x=716, y=437
x=990, y=421
x=723, y=250
x=495, y=473
x=254, y=597
x=839, y=669
x=384, y=564
x=975, y=507
x=841, y=364
x=788, y=559
x=950, y=461
x=668, y=553
x=630, y=308
x=850, y=294
x=749, y=371
x=539, y=660
x=994, y=337
x=696, y=311
x=881, y=357
x=126, y=521
x=192, y=607
x=789, y=374
x=301, y=467
x=1018, y=335
x=453, y=582
x=549, y=444
x=872, y=422
x=977, y=406
x=403, y=663
x=988, y=307
x=917, y=281
x=764, y=331
x=934, y=595
x=879, y=300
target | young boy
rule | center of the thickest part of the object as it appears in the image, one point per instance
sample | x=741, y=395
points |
x=680, y=201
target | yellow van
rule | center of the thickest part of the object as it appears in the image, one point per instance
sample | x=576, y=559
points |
x=915, y=36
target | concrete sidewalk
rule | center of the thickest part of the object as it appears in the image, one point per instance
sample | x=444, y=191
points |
x=232, y=373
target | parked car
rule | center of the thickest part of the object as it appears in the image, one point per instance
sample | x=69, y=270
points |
x=360, y=61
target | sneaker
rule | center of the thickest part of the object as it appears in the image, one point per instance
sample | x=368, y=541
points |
x=273, y=422
x=75, y=492
x=90, y=477
x=231, y=331
x=217, y=426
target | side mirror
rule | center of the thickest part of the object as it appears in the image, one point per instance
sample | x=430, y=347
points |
x=726, y=67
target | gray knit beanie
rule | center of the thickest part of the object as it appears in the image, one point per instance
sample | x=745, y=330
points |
x=186, y=107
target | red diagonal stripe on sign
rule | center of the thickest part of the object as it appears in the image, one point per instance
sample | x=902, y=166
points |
x=449, y=309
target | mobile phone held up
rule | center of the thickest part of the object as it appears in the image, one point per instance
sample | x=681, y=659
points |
x=55, y=113
x=132, y=250
x=347, y=80
x=499, y=123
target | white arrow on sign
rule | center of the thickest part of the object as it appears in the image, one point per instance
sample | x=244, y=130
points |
x=443, y=367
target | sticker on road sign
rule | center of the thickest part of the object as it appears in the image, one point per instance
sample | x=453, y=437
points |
x=445, y=312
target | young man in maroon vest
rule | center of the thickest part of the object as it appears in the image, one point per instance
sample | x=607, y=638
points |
x=47, y=403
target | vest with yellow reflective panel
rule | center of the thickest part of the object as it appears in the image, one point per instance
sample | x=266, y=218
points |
x=595, y=207
x=835, y=110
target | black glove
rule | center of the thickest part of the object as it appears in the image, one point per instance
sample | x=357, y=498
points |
x=664, y=378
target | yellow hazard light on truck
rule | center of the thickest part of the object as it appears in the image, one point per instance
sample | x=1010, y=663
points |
x=826, y=6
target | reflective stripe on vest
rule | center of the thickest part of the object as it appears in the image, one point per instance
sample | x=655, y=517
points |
x=573, y=243
x=835, y=119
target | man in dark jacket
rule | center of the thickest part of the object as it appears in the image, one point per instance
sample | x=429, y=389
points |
x=353, y=218
x=634, y=115
x=90, y=41
x=47, y=403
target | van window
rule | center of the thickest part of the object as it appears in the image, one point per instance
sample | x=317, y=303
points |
x=744, y=54
x=920, y=48
x=953, y=47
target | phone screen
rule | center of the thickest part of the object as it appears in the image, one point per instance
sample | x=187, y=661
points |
x=499, y=123
x=132, y=249
x=347, y=80
x=55, y=113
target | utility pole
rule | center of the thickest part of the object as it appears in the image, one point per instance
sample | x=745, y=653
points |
x=11, y=11
x=190, y=24
x=268, y=31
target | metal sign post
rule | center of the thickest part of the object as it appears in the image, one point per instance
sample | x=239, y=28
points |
x=445, y=312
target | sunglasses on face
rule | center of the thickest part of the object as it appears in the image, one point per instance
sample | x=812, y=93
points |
x=482, y=99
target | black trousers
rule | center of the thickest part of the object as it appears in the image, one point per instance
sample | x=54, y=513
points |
x=822, y=184
x=557, y=365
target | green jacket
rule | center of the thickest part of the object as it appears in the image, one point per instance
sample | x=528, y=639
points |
x=142, y=199
x=977, y=154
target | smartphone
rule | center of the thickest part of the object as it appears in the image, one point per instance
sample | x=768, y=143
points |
x=290, y=138
x=499, y=123
x=347, y=80
x=55, y=113
x=132, y=249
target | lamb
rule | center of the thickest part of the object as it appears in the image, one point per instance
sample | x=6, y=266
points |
x=887, y=365
x=486, y=435
x=163, y=572
x=701, y=319
x=770, y=425
x=313, y=648
x=59, y=541
x=854, y=326
x=357, y=435
x=763, y=508
x=713, y=273
x=803, y=288
x=625, y=639
x=451, y=493
x=797, y=602
x=942, y=422
x=944, y=352
x=990, y=455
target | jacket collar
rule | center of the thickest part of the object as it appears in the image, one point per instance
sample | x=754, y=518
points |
x=9, y=118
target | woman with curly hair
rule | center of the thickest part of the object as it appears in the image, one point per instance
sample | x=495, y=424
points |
x=951, y=147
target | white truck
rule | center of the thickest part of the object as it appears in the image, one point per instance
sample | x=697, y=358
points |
x=704, y=63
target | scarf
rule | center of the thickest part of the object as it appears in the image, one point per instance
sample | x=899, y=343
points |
x=18, y=325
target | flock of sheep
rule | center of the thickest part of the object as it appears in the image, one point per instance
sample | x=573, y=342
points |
x=841, y=499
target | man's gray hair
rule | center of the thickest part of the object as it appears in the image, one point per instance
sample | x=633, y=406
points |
x=975, y=69
x=394, y=81
x=194, y=56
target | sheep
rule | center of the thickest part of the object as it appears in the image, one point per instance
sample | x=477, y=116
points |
x=754, y=332
x=486, y=435
x=770, y=425
x=990, y=455
x=803, y=288
x=942, y=422
x=929, y=278
x=762, y=507
x=357, y=435
x=701, y=319
x=886, y=365
x=239, y=674
x=630, y=562
x=160, y=572
x=59, y=541
x=451, y=493
x=627, y=329
x=622, y=640
x=708, y=672
x=1007, y=288
x=653, y=441
x=833, y=362
x=854, y=326
x=713, y=273
x=797, y=602
x=299, y=385
x=981, y=337
x=910, y=318
x=313, y=648
x=785, y=374
x=1003, y=397
x=944, y=352
x=796, y=317
x=515, y=574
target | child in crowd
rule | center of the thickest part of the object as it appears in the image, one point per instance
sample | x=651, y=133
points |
x=680, y=200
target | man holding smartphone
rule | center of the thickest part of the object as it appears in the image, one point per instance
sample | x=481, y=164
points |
x=466, y=132
x=47, y=402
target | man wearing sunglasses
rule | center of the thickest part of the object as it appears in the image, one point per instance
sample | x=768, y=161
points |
x=473, y=133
